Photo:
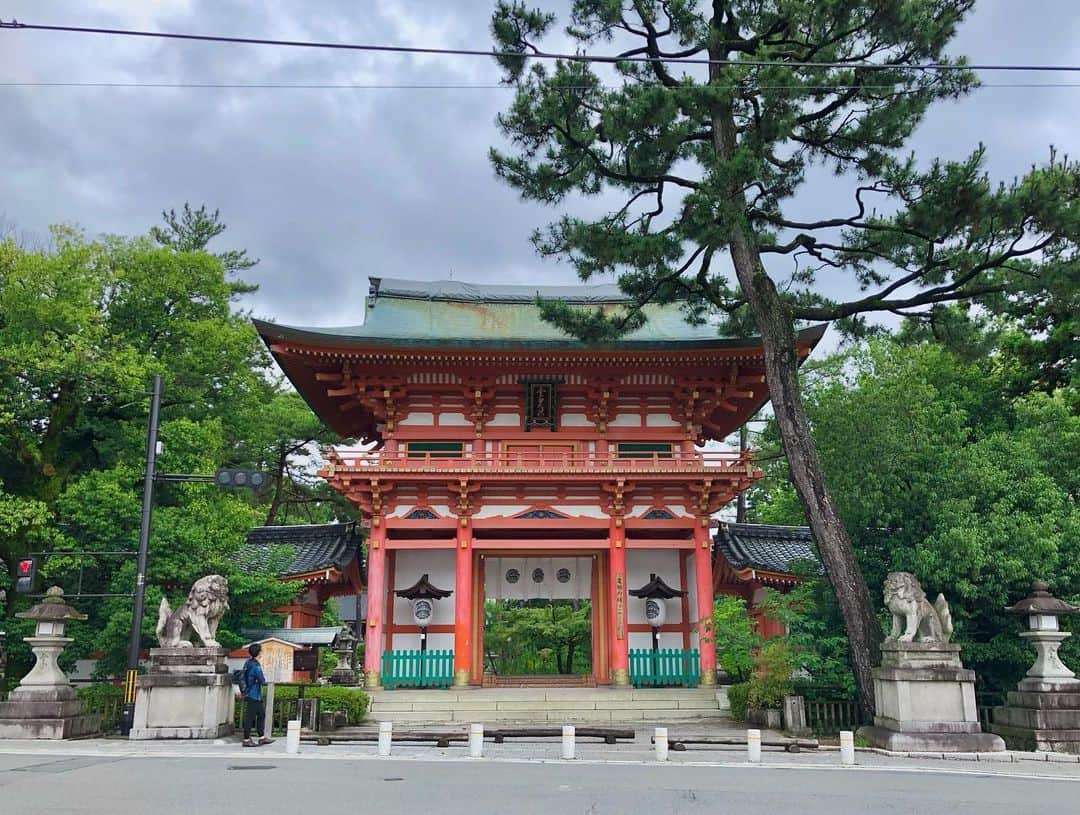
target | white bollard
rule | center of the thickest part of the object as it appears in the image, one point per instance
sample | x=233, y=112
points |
x=661, y=742
x=847, y=748
x=476, y=740
x=292, y=736
x=568, y=741
x=753, y=746
x=386, y=735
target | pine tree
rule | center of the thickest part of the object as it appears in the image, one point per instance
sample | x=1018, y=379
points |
x=707, y=158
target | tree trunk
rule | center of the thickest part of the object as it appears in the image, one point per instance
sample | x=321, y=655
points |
x=777, y=330
x=279, y=489
x=781, y=368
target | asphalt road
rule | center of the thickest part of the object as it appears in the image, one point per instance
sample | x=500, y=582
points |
x=263, y=784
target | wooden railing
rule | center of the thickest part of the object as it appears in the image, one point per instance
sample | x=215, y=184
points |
x=665, y=667
x=417, y=669
x=832, y=716
x=353, y=460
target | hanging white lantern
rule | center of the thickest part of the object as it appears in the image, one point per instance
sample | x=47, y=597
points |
x=655, y=611
x=422, y=610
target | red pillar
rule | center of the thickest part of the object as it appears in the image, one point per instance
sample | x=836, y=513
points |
x=376, y=588
x=703, y=580
x=463, y=602
x=617, y=630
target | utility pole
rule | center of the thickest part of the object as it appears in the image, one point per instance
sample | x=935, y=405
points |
x=140, y=575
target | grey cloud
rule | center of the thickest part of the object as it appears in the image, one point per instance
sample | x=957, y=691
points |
x=328, y=186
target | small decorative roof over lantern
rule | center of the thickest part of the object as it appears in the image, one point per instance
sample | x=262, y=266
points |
x=657, y=589
x=423, y=590
x=1042, y=608
x=52, y=609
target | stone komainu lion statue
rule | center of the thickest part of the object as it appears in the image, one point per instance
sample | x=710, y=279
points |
x=913, y=618
x=206, y=604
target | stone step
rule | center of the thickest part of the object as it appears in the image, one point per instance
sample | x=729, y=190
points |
x=435, y=717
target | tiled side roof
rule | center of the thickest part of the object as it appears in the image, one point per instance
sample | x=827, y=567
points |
x=763, y=546
x=319, y=635
x=302, y=549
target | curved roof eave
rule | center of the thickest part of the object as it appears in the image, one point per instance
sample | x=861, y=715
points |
x=341, y=339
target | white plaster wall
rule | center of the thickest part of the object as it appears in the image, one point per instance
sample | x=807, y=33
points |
x=626, y=420
x=640, y=563
x=643, y=639
x=492, y=510
x=581, y=511
x=454, y=420
x=574, y=420
x=504, y=420
x=435, y=642
x=660, y=420
x=418, y=418
x=409, y=565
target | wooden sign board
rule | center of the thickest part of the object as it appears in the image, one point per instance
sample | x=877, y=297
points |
x=277, y=661
x=306, y=660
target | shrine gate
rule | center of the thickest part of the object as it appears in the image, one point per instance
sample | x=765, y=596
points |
x=499, y=457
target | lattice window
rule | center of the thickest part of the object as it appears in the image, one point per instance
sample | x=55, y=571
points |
x=436, y=449
x=421, y=515
x=658, y=515
x=635, y=449
x=540, y=514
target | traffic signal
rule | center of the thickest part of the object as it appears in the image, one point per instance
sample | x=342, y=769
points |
x=25, y=574
x=254, y=479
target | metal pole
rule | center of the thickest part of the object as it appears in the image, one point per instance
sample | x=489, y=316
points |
x=140, y=575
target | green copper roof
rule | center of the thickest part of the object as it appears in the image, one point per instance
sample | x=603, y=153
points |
x=464, y=314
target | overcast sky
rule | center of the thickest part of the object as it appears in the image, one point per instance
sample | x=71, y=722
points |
x=329, y=186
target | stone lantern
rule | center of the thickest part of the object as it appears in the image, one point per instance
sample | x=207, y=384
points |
x=44, y=705
x=345, y=651
x=1044, y=711
x=1042, y=610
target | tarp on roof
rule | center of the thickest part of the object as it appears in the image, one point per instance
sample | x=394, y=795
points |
x=460, y=291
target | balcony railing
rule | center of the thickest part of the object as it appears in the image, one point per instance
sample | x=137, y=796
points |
x=540, y=461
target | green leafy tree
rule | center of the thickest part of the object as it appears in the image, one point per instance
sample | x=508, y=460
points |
x=734, y=637
x=83, y=326
x=530, y=636
x=937, y=471
x=706, y=159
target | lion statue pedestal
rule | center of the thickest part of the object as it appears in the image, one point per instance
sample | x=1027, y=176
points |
x=188, y=692
x=924, y=696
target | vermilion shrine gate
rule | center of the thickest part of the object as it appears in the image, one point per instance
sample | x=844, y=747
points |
x=502, y=458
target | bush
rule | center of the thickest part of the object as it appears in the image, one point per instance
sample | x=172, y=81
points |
x=771, y=679
x=352, y=700
x=100, y=694
x=105, y=700
x=737, y=697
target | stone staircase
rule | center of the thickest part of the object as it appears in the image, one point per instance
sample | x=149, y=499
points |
x=548, y=705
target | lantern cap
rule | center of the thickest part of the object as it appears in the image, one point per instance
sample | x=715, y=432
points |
x=1041, y=601
x=656, y=589
x=52, y=609
x=423, y=590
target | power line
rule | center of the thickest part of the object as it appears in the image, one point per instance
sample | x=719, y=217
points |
x=490, y=86
x=468, y=52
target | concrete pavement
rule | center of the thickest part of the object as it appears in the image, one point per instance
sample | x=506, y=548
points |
x=102, y=779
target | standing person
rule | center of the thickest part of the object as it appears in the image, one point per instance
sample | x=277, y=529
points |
x=254, y=709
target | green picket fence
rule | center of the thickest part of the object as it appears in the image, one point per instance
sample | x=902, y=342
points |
x=666, y=667
x=417, y=669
